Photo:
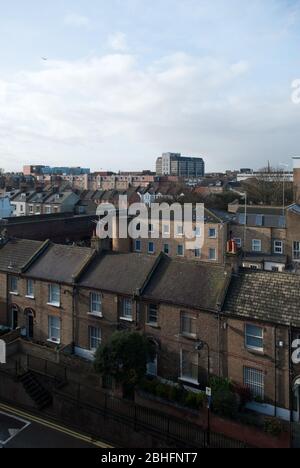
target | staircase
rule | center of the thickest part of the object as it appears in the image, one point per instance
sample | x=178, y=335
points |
x=36, y=391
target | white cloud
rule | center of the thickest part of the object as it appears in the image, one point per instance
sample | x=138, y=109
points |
x=112, y=112
x=118, y=42
x=76, y=20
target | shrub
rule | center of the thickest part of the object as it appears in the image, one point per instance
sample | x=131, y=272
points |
x=195, y=400
x=225, y=404
x=273, y=427
x=178, y=394
x=162, y=391
x=219, y=384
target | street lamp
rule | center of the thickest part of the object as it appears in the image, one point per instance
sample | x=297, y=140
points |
x=199, y=347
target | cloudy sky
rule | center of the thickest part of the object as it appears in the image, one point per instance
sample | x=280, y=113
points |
x=126, y=80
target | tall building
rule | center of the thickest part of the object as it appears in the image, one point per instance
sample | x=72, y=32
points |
x=173, y=164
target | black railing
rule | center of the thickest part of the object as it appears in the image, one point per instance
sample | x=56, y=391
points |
x=96, y=400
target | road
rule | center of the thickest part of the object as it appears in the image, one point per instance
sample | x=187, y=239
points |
x=20, y=429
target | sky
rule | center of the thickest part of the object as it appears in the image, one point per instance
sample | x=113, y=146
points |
x=127, y=80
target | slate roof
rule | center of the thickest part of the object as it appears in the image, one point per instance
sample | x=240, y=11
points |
x=60, y=263
x=189, y=284
x=265, y=296
x=120, y=273
x=16, y=253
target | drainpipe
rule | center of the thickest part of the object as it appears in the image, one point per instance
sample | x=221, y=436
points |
x=275, y=360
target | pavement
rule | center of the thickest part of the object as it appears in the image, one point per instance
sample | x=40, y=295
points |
x=19, y=429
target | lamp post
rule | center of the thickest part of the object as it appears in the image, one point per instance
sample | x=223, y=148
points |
x=199, y=347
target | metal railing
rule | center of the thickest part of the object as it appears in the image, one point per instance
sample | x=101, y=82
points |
x=138, y=417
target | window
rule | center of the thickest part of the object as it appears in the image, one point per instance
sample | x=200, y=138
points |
x=152, y=314
x=151, y=228
x=152, y=368
x=212, y=254
x=54, y=294
x=238, y=242
x=188, y=325
x=255, y=381
x=166, y=229
x=151, y=248
x=30, y=209
x=254, y=337
x=180, y=250
x=96, y=304
x=259, y=221
x=197, y=253
x=256, y=245
x=189, y=366
x=242, y=219
x=212, y=233
x=278, y=247
x=166, y=249
x=94, y=338
x=296, y=250
x=54, y=329
x=198, y=232
x=30, y=289
x=180, y=231
x=48, y=210
x=127, y=309
x=13, y=285
x=138, y=246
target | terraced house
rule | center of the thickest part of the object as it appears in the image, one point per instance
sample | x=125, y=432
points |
x=203, y=319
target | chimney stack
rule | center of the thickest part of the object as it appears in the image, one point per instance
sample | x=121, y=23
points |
x=297, y=180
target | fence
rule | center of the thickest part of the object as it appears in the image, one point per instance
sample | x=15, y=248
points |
x=139, y=417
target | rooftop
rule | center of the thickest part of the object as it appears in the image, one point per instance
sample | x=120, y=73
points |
x=266, y=296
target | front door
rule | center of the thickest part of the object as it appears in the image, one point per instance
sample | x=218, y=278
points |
x=14, y=318
x=30, y=326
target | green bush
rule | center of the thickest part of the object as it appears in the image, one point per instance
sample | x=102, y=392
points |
x=225, y=404
x=195, y=400
x=177, y=393
x=220, y=384
x=273, y=427
x=162, y=391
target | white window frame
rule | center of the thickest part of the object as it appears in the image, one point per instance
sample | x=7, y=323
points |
x=198, y=253
x=259, y=220
x=136, y=244
x=14, y=291
x=96, y=298
x=214, y=258
x=95, y=336
x=186, y=317
x=254, y=379
x=179, y=230
x=189, y=378
x=166, y=230
x=151, y=252
x=51, y=302
x=30, y=291
x=210, y=235
x=152, y=367
x=278, y=247
x=150, y=309
x=256, y=249
x=296, y=250
x=51, y=336
x=259, y=336
x=125, y=309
